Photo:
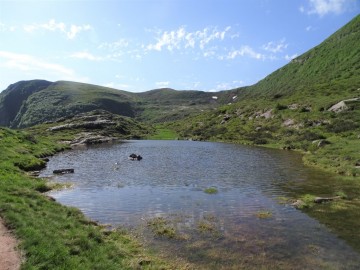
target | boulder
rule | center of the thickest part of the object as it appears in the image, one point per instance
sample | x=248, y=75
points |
x=288, y=123
x=342, y=106
x=268, y=114
x=326, y=199
x=63, y=171
x=338, y=107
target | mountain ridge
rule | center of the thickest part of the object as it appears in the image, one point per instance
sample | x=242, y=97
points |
x=45, y=101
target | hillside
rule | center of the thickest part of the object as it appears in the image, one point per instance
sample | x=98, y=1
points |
x=12, y=98
x=28, y=103
x=312, y=104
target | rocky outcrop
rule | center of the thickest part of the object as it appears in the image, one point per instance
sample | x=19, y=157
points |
x=87, y=138
x=267, y=114
x=87, y=125
x=338, y=107
x=321, y=143
x=288, y=123
x=342, y=105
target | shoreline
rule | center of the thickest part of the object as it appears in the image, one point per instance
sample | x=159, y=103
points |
x=74, y=234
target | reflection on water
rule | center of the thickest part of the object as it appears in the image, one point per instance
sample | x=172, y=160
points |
x=170, y=182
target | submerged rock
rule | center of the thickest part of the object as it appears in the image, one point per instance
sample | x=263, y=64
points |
x=63, y=171
x=326, y=199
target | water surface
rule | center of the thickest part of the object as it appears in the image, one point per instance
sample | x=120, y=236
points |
x=225, y=230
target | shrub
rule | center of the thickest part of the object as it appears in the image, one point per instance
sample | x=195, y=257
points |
x=311, y=136
x=340, y=125
x=280, y=107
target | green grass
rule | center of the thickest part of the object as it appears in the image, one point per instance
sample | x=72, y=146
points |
x=163, y=134
x=162, y=227
x=51, y=235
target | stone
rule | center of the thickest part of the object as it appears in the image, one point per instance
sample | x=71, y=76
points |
x=341, y=106
x=298, y=204
x=338, y=107
x=325, y=199
x=268, y=114
x=63, y=171
x=288, y=122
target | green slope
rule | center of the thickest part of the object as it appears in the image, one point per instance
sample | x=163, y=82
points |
x=12, y=98
x=290, y=107
x=329, y=72
x=163, y=105
x=64, y=99
x=29, y=103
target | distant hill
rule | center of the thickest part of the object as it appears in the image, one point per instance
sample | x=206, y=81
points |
x=311, y=104
x=28, y=103
x=13, y=97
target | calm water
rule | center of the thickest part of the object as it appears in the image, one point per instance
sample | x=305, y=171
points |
x=214, y=231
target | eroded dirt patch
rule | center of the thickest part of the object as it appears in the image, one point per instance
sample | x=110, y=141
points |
x=10, y=257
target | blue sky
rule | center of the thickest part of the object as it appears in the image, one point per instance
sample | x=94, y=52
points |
x=207, y=45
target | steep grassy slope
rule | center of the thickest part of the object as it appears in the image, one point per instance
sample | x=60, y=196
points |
x=330, y=69
x=291, y=108
x=12, y=98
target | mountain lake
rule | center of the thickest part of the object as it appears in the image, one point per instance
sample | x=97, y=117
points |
x=212, y=205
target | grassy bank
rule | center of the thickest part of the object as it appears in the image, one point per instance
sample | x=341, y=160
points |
x=163, y=134
x=53, y=236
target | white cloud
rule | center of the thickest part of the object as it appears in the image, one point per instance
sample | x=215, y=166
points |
x=6, y=28
x=70, y=32
x=291, y=57
x=226, y=86
x=275, y=47
x=43, y=69
x=75, y=29
x=86, y=55
x=245, y=51
x=118, y=86
x=182, y=39
x=114, y=46
x=324, y=7
x=162, y=84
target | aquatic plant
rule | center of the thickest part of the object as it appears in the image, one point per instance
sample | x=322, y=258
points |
x=264, y=214
x=341, y=194
x=205, y=226
x=211, y=190
x=162, y=227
